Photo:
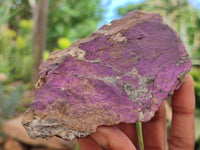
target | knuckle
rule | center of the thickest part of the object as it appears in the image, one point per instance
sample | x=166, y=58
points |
x=181, y=143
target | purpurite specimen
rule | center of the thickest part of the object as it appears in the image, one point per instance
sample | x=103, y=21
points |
x=121, y=73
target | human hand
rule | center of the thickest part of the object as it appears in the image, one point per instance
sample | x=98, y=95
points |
x=124, y=136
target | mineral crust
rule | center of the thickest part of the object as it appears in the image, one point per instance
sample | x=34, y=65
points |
x=120, y=73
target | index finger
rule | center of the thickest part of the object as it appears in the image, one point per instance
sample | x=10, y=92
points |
x=183, y=106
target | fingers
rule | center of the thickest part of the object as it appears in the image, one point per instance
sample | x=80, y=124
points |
x=88, y=143
x=154, y=131
x=106, y=138
x=129, y=130
x=112, y=138
x=182, y=128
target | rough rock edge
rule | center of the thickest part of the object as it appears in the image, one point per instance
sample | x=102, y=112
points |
x=49, y=130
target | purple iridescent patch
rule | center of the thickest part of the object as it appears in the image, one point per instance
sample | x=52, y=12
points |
x=121, y=73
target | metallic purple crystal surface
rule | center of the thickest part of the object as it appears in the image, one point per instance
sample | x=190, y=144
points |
x=121, y=73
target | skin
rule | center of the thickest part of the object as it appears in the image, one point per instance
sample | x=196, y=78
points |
x=124, y=136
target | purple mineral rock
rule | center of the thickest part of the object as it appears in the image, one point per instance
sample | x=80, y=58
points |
x=121, y=73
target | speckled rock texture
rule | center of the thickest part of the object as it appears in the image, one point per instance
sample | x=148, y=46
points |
x=120, y=73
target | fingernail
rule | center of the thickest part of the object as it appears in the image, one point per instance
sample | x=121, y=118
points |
x=100, y=138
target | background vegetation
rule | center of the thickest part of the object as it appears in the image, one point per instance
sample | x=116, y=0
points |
x=68, y=21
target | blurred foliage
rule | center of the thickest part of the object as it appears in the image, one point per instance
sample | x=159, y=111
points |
x=197, y=129
x=15, y=51
x=9, y=101
x=195, y=72
x=72, y=19
x=5, y=6
x=197, y=146
x=63, y=43
x=68, y=21
x=196, y=53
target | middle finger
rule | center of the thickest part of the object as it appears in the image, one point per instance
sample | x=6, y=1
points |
x=155, y=132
